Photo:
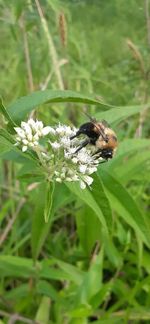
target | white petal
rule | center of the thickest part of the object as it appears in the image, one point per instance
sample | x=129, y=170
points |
x=18, y=139
x=58, y=180
x=60, y=130
x=25, y=142
x=69, y=179
x=39, y=133
x=48, y=130
x=57, y=173
x=72, y=150
x=75, y=178
x=88, y=180
x=82, y=184
x=35, y=143
x=20, y=132
x=32, y=123
x=66, y=155
x=90, y=170
x=75, y=160
x=39, y=125
x=26, y=128
x=31, y=144
x=29, y=137
x=65, y=141
x=82, y=168
x=24, y=148
x=55, y=145
x=64, y=169
x=36, y=137
x=68, y=131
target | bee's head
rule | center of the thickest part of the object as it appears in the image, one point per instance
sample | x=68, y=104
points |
x=86, y=129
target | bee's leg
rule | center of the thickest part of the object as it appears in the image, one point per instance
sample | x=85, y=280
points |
x=76, y=135
x=98, y=154
x=85, y=143
x=98, y=151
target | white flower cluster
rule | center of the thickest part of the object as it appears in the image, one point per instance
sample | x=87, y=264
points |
x=62, y=161
x=29, y=133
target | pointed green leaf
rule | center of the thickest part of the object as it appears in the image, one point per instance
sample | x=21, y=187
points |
x=24, y=105
x=124, y=204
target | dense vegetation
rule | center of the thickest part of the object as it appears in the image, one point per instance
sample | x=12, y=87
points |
x=91, y=261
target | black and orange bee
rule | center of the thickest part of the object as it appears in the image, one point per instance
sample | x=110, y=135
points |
x=101, y=136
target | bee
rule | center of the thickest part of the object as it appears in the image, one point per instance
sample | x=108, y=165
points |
x=99, y=134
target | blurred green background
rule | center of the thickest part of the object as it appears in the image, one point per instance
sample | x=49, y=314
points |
x=68, y=271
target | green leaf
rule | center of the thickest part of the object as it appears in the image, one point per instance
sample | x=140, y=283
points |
x=19, y=267
x=132, y=166
x=74, y=272
x=92, y=281
x=7, y=143
x=123, y=203
x=126, y=148
x=43, y=312
x=49, y=201
x=99, y=195
x=16, y=267
x=111, y=251
x=40, y=229
x=45, y=288
x=24, y=105
x=88, y=228
x=6, y=114
x=117, y=114
x=87, y=197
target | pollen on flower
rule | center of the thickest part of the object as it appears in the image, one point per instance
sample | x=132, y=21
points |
x=59, y=158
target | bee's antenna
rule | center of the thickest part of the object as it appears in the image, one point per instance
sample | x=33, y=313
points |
x=92, y=119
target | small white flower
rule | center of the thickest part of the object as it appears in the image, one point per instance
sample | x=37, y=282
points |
x=60, y=130
x=39, y=125
x=31, y=144
x=88, y=180
x=68, y=131
x=26, y=128
x=36, y=137
x=65, y=141
x=24, y=148
x=32, y=123
x=82, y=184
x=55, y=145
x=47, y=130
x=25, y=142
x=72, y=150
x=83, y=157
x=29, y=137
x=59, y=180
x=90, y=170
x=82, y=168
x=75, y=178
x=68, y=179
x=56, y=173
x=18, y=139
x=35, y=143
x=20, y=132
x=75, y=160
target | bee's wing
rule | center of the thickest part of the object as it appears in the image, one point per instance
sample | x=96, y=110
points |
x=101, y=130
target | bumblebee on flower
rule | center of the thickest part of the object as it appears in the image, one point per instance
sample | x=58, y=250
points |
x=61, y=162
